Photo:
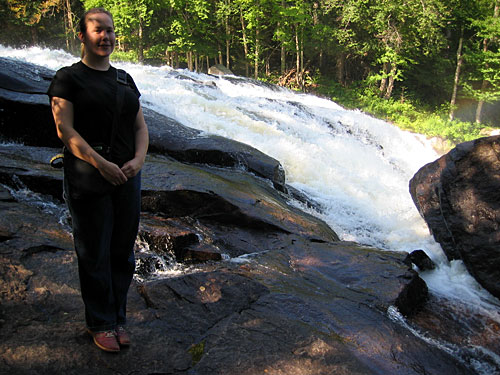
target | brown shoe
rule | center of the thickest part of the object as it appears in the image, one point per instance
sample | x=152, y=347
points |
x=106, y=340
x=122, y=336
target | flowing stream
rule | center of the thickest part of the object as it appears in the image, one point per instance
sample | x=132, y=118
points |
x=357, y=168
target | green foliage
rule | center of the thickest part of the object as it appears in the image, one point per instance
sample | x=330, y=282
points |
x=129, y=56
x=453, y=131
x=30, y=12
x=156, y=52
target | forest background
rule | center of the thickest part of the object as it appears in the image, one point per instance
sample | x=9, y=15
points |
x=429, y=66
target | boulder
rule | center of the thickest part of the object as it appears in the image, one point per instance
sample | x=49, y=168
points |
x=168, y=137
x=219, y=70
x=420, y=259
x=458, y=195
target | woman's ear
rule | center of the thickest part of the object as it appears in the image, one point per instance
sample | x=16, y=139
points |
x=81, y=37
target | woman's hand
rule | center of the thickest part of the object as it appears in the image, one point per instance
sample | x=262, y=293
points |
x=132, y=167
x=112, y=172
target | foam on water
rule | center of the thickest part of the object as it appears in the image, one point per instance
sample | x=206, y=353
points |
x=356, y=167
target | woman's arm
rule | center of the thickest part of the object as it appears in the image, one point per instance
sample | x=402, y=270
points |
x=63, y=113
x=132, y=167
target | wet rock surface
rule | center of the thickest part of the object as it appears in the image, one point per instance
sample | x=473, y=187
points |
x=232, y=277
x=459, y=197
x=292, y=299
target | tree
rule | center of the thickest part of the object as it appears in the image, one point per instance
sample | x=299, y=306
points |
x=244, y=37
x=192, y=29
x=69, y=25
x=30, y=12
x=488, y=58
x=405, y=30
x=295, y=24
x=456, y=80
x=346, y=29
x=224, y=12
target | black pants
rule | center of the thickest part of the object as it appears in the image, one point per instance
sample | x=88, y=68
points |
x=104, y=231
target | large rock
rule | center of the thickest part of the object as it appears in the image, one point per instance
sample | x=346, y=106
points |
x=458, y=195
x=299, y=306
x=189, y=145
x=219, y=70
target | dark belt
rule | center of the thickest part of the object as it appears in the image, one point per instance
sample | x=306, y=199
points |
x=57, y=161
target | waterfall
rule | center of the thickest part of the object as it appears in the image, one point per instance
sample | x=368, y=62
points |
x=356, y=167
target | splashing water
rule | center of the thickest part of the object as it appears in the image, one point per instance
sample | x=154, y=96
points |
x=356, y=167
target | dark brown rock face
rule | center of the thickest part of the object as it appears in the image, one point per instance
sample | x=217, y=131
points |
x=458, y=195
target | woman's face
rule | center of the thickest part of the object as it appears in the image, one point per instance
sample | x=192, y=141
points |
x=99, y=39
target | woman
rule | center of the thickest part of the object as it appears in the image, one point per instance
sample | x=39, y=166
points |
x=84, y=99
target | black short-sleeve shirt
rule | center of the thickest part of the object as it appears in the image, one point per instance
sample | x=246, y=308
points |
x=93, y=94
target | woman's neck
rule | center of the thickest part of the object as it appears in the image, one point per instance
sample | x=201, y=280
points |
x=97, y=64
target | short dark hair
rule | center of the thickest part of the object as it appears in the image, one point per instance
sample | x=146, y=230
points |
x=83, y=21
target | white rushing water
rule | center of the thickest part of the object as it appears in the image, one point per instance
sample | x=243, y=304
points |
x=355, y=166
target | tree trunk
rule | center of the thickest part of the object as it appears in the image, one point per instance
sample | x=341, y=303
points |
x=383, y=81
x=484, y=85
x=297, y=53
x=282, y=59
x=66, y=31
x=34, y=35
x=341, y=69
x=460, y=60
x=228, y=40
x=257, y=51
x=283, y=51
x=70, y=28
x=140, y=47
x=480, y=104
x=245, y=43
x=390, y=83
x=189, y=58
x=219, y=54
x=302, y=70
x=168, y=58
x=315, y=23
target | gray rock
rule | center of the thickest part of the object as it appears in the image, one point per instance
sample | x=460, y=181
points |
x=219, y=70
x=168, y=137
x=458, y=195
